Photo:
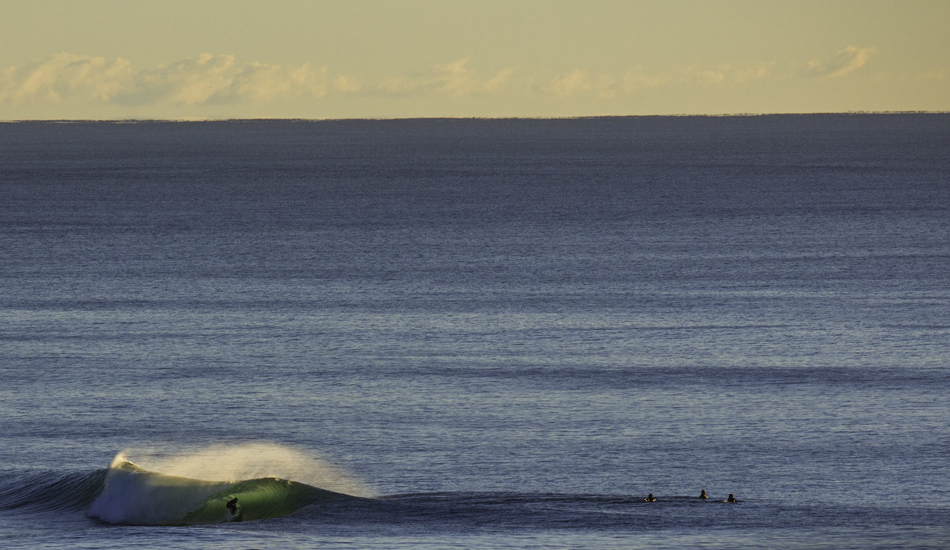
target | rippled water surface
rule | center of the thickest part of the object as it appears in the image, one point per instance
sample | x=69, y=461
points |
x=489, y=333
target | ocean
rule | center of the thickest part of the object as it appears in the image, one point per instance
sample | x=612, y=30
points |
x=447, y=333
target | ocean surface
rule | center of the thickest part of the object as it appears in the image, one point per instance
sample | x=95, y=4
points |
x=476, y=333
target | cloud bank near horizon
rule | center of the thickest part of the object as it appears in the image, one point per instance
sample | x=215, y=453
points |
x=210, y=81
x=206, y=79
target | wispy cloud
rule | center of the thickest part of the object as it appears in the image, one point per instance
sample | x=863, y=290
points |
x=206, y=79
x=572, y=83
x=454, y=79
x=214, y=80
x=846, y=61
x=457, y=79
x=346, y=84
x=218, y=79
x=638, y=78
x=64, y=76
x=579, y=81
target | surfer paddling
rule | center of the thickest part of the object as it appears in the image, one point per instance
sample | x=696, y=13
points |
x=731, y=498
x=649, y=498
x=702, y=494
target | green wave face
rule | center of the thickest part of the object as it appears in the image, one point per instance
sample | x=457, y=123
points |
x=257, y=499
x=135, y=496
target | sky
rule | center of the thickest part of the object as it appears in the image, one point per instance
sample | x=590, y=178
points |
x=209, y=59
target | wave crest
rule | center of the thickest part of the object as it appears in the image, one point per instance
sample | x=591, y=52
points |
x=161, y=495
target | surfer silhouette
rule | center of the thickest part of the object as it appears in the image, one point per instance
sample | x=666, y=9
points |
x=702, y=494
x=232, y=506
x=649, y=498
x=731, y=498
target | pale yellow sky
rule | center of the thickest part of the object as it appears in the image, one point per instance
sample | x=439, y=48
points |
x=107, y=59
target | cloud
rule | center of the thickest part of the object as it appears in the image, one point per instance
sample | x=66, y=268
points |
x=638, y=78
x=846, y=61
x=64, y=76
x=453, y=79
x=706, y=77
x=218, y=79
x=495, y=83
x=346, y=84
x=607, y=86
x=564, y=85
x=579, y=82
x=206, y=79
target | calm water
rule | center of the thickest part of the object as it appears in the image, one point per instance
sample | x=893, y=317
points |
x=506, y=333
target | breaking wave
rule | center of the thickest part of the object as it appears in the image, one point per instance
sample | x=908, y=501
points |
x=186, y=488
x=133, y=495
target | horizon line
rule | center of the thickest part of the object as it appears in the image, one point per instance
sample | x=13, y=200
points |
x=579, y=117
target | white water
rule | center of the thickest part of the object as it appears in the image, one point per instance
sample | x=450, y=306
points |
x=138, y=497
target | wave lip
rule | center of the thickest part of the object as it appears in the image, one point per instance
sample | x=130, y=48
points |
x=134, y=496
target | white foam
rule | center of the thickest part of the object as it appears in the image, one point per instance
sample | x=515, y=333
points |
x=139, y=497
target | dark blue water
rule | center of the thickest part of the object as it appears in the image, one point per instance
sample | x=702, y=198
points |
x=505, y=332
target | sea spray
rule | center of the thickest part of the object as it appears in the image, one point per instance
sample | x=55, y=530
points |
x=244, y=461
x=194, y=486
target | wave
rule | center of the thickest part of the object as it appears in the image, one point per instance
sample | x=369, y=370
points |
x=127, y=493
x=195, y=486
x=132, y=495
x=185, y=487
x=50, y=491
